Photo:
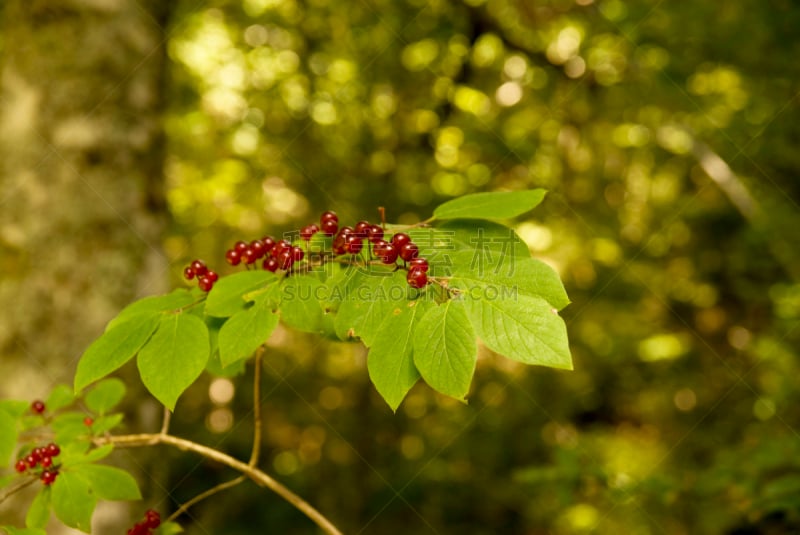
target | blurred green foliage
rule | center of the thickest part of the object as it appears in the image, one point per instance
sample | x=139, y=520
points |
x=667, y=133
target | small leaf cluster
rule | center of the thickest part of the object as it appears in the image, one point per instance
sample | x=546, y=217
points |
x=73, y=480
x=481, y=284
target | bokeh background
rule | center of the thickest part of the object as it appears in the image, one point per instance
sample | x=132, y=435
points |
x=136, y=135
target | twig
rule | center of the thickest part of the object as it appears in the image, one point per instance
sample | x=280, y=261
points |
x=165, y=422
x=203, y=495
x=256, y=408
x=256, y=475
x=17, y=488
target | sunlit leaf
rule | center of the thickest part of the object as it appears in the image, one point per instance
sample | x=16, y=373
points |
x=300, y=303
x=174, y=357
x=73, y=501
x=490, y=205
x=226, y=297
x=105, y=395
x=368, y=302
x=115, y=347
x=109, y=482
x=39, y=509
x=170, y=302
x=60, y=396
x=246, y=330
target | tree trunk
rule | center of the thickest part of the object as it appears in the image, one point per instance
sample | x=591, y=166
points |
x=81, y=153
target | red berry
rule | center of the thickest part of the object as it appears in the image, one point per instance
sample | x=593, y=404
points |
x=329, y=227
x=386, y=252
x=409, y=251
x=400, y=239
x=88, y=421
x=361, y=228
x=233, y=257
x=240, y=246
x=270, y=264
x=280, y=247
x=212, y=276
x=375, y=233
x=354, y=244
x=329, y=216
x=285, y=259
x=297, y=253
x=269, y=243
x=53, y=450
x=48, y=477
x=30, y=460
x=152, y=519
x=420, y=263
x=205, y=284
x=46, y=462
x=199, y=268
x=38, y=406
x=308, y=231
x=417, y=278
x=339, y=244
x=249, y=256
x=20, y=466
x=188, y=273
x=257, y=246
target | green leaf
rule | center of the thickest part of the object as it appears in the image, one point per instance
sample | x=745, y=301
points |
x=174, y=357
x=169, y=528
x=17, y=531
x=526, y=329
x=89, y=457
x=170, y=302
x=8, y=436
x=226, y=298
x=60, y=397
x=215, y=367
x=115, y=347
x=106, y=423
x=39, y=510
x=496, y=276
x=490, y=205
x=105, y=395
x=69, y=427
x=245, y=331
x=300, y=303
x=73, y=501
x=370, y=299
x=445, y=352
x=108, y=482
x=390, y=363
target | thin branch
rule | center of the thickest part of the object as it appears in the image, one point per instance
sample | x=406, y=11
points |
x=203, y=495
x=165, y=422
x=17, y=488
x=256, y=409
x=262, y=479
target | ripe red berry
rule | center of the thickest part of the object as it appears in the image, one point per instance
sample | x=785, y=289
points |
x=361, y=228
x=212, y=276
x=20, y=466
x=38, y=406
x=249, y=256
x=400, y=239
x=38, y=454
x=339, y=244
x=329, y=227
x=199, y=267
x=257, y=246
x=30, y=460
x=233, y=257
x=48, y=477
x=46, y=462
x=409, y=251
x=152, y=519
x=270, y=264
x=308, y=231
x=280, y=247
x=375, y=233
x=53, y=450
x=354, y=244
x=285, y=259
x=188, y=273
x=417, y=278
x=205, y=284
x=240, y=246
x=420, y=263
x=386, y=252
x=329, y=216
x=297, y=253
x=88, y=421
x=269, y=243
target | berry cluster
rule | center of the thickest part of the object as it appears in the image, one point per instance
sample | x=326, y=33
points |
x=350, y=240
x=205, y=277
x=281, y=254
x=42, y=457
x=151, y=521
x=276, y=254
